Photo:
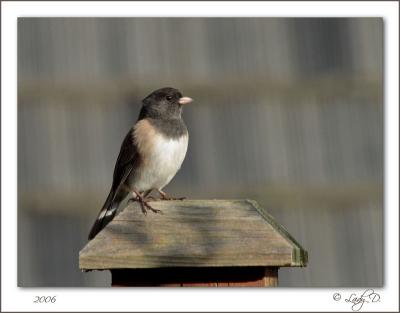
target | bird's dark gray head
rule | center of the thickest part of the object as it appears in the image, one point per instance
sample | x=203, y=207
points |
x=164, y=103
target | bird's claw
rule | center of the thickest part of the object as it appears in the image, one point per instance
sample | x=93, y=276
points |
x=143, y=208
x=155, y=210
x=144, y=205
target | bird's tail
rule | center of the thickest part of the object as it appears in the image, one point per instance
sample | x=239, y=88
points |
x=106, y=214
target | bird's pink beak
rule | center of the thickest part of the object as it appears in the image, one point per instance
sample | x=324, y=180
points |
x=185, y=100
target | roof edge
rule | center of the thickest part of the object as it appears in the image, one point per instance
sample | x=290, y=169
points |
x=299, y=254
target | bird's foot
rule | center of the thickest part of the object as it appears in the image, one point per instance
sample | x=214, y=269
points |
x=164, y=196
x=144, y=204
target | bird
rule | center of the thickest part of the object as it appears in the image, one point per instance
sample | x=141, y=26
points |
x=151, y=154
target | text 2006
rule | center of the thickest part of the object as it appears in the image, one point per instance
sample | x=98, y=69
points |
x=44, y=299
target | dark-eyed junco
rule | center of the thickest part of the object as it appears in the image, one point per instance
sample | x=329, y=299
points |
x=151, y=154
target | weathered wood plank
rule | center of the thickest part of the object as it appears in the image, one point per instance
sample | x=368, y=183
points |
x=202, y=233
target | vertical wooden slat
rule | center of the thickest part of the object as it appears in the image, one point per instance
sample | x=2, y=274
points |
x=271, y=277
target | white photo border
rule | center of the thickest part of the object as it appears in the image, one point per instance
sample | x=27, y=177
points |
x=185, y=299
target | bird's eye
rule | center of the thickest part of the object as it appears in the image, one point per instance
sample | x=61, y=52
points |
x=169, y=97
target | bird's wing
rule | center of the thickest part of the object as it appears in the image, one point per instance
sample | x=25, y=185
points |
x=126, y=163
x=127, y=159
x=138, y=144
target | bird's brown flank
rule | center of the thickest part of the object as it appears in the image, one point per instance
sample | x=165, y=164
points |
x=144, y=135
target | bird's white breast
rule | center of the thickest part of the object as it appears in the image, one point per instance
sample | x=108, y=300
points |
x=164, y=159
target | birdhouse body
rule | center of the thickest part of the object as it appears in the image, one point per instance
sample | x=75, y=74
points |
x=193, y=243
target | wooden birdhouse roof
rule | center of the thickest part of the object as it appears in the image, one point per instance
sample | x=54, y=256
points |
x=193, y=233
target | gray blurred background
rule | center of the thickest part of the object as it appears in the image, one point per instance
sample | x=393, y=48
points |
x=287, y=111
